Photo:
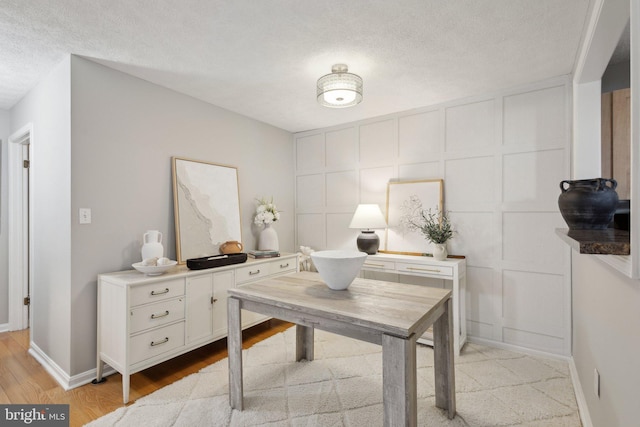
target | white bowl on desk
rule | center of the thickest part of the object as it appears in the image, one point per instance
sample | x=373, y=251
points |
x=338, y=268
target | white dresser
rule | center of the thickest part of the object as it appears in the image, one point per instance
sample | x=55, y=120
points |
x=145, y=320
x=453, y=270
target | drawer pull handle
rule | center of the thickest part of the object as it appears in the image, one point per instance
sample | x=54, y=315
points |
x=284, y=265
x=157, y=316
x=154, y=293
x=165, y=340
x=213, y=300
x=374, y=265
x=424, y=269
x=253, y=273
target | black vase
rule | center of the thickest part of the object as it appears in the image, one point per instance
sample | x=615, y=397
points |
x=588, y=204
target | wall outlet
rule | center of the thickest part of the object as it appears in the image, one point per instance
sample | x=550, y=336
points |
x=85, y=216
x=596, y=382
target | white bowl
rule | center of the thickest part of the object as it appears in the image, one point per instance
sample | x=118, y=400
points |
x=338, y=268
x=153, y=270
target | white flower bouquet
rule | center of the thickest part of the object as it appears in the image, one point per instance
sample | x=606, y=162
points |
x=266, y=212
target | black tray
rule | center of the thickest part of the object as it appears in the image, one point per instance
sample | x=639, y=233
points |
x=215, y=261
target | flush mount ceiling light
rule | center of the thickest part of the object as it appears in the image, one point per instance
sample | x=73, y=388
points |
x=340, y=88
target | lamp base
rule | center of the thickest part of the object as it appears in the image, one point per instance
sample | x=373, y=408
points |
x=368, y=241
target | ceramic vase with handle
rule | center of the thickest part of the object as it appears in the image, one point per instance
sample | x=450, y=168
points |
x=152, y=245
x=268, y=239
x=440, y=251
x=588, y=204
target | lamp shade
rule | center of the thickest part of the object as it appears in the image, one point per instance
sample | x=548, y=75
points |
x=368, y=216
x=340, y=88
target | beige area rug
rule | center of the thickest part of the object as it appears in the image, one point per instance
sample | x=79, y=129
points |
x=343, y=387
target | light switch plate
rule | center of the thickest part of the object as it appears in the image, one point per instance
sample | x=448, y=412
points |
x=85, y=216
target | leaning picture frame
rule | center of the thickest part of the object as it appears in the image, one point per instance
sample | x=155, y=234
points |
x=206, y=207
x=398, y=237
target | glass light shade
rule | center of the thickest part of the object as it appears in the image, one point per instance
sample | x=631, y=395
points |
x=339, y=96
x=339, y=89
x=368, y=217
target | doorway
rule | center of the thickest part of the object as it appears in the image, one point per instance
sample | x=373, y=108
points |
x=20, y=149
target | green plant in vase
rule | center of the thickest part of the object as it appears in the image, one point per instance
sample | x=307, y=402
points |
x=434, y=224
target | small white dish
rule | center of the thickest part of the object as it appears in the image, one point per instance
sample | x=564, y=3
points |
x=153, y=270
x=338, y=268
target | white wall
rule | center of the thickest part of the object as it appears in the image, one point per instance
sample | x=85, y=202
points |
x=4, y=243
x=124, y=133
x=104, y=140
x=587, y=148
x=48, y=107
x=606, y=321
x=605, y=305
x=502, y=157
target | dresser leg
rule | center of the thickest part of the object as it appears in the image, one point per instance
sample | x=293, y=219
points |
x=99, y=372
x=125, y=387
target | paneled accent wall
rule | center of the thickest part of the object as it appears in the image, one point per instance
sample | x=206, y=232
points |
x=502, y=157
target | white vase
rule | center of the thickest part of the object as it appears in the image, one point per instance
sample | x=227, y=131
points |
x=152, y=246
x=268, y=239
x=440, y=251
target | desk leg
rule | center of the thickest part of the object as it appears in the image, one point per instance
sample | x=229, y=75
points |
x=399, y=381
x=456, y=316
x=463, y=315
x=304, y=343
x=234, y=346
x=445, y=382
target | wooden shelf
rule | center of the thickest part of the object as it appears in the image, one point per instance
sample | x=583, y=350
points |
x=610, y=241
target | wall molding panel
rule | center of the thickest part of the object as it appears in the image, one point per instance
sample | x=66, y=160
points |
x=501, y=156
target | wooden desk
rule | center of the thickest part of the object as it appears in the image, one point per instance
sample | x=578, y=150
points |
x=390, y=314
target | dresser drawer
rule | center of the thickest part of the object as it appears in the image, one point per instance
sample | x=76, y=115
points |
x=427, y=270
x=158, y=314
x=282, y=266
x=157, y=341
x=375, y=264
x=252, y=272
x=159, y=291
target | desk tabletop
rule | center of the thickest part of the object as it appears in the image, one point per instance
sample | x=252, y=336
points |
x=396, y=308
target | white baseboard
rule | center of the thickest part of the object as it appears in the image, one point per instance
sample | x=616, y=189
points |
x=583, y=409
x=65, y=381
x=4, y=327
x=49, y=365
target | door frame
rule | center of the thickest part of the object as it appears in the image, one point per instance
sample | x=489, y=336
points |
x=20, y=270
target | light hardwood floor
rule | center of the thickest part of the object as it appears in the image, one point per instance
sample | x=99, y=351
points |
x=24, y=380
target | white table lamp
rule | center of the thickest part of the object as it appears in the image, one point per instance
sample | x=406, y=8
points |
x=367, y=218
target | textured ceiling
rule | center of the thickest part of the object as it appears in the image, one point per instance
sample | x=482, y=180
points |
x=262, y=58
